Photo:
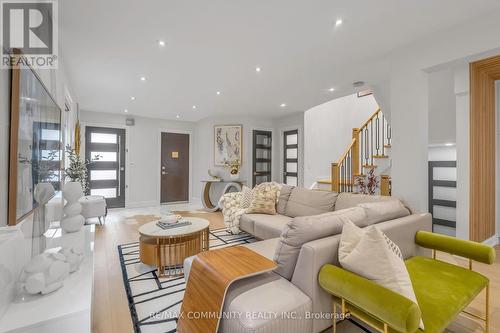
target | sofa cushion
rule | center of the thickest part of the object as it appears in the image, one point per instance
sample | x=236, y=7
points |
x=247, y=223
x=268, y=226
x=305, y=202
x=304, y=229
x=265, y=248
x=384, y=210
x=348, y=200
x=285, y=192
x=267, y=304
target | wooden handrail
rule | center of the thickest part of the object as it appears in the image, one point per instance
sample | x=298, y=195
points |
x=370, y=119
x=344, y=155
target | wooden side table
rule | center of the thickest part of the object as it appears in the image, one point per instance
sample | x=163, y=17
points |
x=167, y=248
x=211, y=274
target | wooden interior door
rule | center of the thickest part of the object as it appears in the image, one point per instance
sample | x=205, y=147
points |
x=174, y=167
x=105, y=149
x=262, y=153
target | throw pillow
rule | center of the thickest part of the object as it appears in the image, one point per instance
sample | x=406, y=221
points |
x=384, y=210
x=264, y=199
x=305, y=202
x=246, y=197
x=304, y=229
x=285, y=192
x=369, y=253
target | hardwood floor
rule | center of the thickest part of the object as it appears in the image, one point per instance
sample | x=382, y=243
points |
x=110, y=312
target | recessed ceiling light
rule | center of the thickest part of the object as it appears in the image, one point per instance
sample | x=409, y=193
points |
x=218, y=93
x=143, y=78
x=338, y=22
x=161, y=43
x=125, y=110
x=282, y=105
x=258, y=69
x=194, y=107
x=132, y=98
x=177, y=116
x=331, y=89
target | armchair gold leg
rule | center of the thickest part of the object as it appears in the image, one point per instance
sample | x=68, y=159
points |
x=334, y=317
x=487, y=317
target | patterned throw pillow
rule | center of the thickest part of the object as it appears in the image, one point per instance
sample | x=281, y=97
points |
x=264, y=199
x=246, y=197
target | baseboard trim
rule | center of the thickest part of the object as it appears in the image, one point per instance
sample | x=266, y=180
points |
x=492, y=241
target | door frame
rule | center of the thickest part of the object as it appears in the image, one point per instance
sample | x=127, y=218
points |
x=83, y=133
x=158, y=162
x=482, y=148
x=300, y=165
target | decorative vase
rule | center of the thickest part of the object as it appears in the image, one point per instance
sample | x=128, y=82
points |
x=72, y=220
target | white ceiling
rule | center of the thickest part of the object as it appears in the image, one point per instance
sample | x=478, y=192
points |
x=215, y=45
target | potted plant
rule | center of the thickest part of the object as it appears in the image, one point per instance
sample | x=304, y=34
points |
x=77, y=169
x=368, y=184
x=234, y=168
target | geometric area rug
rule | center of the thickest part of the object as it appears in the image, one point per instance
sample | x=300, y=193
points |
x=155, y=302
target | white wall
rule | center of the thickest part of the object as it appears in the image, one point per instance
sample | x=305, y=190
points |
x=328, y=132
x=143, y=157
x=4, y=142
x=442, y=109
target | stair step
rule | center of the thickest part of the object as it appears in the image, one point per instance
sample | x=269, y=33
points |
x=369, y=166
x=380, y=156
x=324, y=181
x=387, y=146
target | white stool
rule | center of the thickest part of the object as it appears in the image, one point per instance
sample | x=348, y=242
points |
x=94, y=206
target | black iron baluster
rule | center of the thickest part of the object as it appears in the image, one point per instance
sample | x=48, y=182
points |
x=367, y=148
x=371, y=140
x=383, y=136
x=377, y=134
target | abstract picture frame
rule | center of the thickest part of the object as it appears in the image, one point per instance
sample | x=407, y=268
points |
x=228, y=144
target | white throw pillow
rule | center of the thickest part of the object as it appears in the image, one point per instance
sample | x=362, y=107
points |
x=246, y=197
x=371, y=254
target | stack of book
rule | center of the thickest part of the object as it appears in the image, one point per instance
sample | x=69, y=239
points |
x=171, y=224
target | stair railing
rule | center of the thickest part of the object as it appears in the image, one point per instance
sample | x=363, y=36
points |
x=369, y=142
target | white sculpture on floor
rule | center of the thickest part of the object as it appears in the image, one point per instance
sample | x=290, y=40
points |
x=46, y=272
x=72, y=220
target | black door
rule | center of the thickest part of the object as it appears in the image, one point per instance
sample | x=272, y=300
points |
x=174, y=167
x=262, y=153
x=105, y=149
x=290, y=157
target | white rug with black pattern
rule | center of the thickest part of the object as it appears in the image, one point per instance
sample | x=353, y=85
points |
x=155, y=302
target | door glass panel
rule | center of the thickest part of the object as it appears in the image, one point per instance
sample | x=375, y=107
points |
x=262, y=153
x=50, y=134
x=263, y=140
x=103, y=175
x=291, y=153
x=291, y=167
x=262, y=167
x=103, y=138
x=292, y=139
x=105, y=192
x=103, y=156
x=292, y=181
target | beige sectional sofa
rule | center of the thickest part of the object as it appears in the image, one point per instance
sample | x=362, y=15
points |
x=290, y=298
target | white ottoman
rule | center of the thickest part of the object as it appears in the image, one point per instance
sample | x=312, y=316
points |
x=94, y=206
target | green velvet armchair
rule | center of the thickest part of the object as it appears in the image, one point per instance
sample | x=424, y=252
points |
x=443, y=290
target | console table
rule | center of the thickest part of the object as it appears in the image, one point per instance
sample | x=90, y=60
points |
x=205, y=191
x=211, y=274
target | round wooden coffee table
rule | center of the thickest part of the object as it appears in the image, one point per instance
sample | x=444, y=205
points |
x=167, y=248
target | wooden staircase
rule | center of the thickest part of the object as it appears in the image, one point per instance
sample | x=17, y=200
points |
x=369, y=146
